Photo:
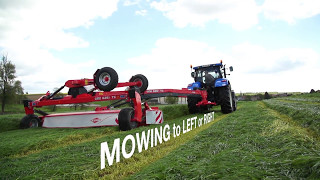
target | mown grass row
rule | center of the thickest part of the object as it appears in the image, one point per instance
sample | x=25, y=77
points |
x=304, y=109
x=254, y=142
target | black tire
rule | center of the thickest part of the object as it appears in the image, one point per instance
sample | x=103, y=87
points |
x=30, y=121
x=143, y=79
x=192, y=105
x=77, y=91
x=234, y=101
x=226, y=99
x=205, y=108
x=106, y=79
x=125, y=117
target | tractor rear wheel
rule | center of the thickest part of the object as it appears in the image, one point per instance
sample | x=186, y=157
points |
x=30, y=121
x=226, y=101
x=125, y=117
x=106, y=79
x=144, y=82
x=234, y=101
x=192, y=105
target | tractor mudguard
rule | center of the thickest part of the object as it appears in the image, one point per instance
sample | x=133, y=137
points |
x=195, y=85
x=221, y=82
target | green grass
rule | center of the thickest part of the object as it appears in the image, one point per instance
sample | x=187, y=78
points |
x=304, y=109
x=261, y=140
x=246, y=144
x=10, y=122
x=73, y=153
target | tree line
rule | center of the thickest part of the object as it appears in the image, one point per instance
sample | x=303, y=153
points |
x=11, y=91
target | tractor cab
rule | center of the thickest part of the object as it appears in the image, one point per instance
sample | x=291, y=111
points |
x=200, y=74
x=212, y=74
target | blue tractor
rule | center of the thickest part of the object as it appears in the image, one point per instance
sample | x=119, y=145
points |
x=213, y=79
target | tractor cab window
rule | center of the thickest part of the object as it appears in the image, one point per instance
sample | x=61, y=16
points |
x=215, y=74
x=214, y=71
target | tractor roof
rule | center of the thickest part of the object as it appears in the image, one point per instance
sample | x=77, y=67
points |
x=208, y=65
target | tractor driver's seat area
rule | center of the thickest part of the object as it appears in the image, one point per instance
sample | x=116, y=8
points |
x=209, y=85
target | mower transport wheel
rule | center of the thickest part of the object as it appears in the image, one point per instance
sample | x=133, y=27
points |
x=30, y=121
x=234, y=101
x=226, y=99
x=143, y=79
x=125, y=117
x=106, y=79
x=192, y=105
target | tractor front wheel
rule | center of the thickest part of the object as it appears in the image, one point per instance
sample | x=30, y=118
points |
x=106, y=79
x=192, y=105
x=125, y=117
x=30, y=121
x=226, y=101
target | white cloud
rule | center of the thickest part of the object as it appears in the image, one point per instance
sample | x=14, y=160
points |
x=285, y=69
x=290, y=10
x=31, y=28
x=142, y=12
x=256, y=69
x=131, y=2
x=240, y=14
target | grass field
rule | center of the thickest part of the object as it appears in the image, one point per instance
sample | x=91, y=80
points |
x=271, y=139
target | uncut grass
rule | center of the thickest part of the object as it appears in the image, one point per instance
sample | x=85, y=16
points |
x=247, y=144
x=80, y=160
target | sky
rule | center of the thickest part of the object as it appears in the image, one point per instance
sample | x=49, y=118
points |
x=273, y=45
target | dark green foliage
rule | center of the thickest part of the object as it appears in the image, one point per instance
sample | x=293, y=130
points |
x=171, y=100
x=267, y=96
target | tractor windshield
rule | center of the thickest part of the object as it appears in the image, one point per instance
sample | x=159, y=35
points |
x=214, y=71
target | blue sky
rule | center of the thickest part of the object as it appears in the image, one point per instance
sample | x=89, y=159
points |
x=272, y=45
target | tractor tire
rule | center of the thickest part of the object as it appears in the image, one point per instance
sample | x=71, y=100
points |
x=226, y=101
x=125, y=117
x=205, y=108
x=30, y=121
x=192, y=105
x=234, y=101
x=106, y=79
x=144, y=81
x=74, y=92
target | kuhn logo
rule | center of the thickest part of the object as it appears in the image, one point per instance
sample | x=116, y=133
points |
x=96, y=120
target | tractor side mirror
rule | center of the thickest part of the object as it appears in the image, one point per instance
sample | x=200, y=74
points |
x=192, y=74
x=231, y=68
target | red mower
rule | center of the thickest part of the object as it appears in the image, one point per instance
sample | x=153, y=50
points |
x=103, y=82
